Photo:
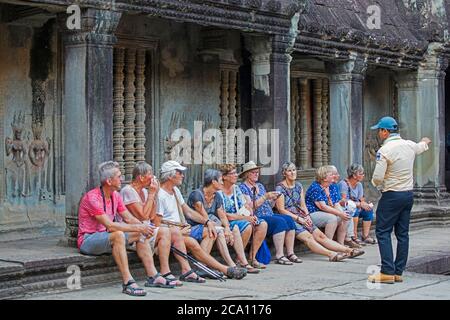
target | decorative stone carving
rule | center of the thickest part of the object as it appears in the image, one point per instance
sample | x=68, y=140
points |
x=303, y=154
x=119, y=114
x=260, y=49
x=325, y=122
x=317, y=118
x=130, y=114
x=38, y=152
x=140, y=107
x=17, y=173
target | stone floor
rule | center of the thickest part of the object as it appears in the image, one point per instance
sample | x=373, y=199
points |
x=315, y=278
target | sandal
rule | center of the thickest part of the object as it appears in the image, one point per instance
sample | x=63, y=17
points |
x=258, y=265
x=195, y=279
x=293, y=258
x=249, y=268
x=169, y=276
x=369, y=240
x=337, y=257
x=284, y=261
x=151, y=282
x=358, y=241
x=236, y=273
x=132, y=291
x=355, y=253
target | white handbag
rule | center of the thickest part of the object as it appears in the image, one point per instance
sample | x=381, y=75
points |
x=243, y=211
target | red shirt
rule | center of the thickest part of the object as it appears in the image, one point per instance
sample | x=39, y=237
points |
x=91, y=205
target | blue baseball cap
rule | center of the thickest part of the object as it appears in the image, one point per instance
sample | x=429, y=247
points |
x=388, y=123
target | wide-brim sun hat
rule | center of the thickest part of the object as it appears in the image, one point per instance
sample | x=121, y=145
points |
x=248, y=167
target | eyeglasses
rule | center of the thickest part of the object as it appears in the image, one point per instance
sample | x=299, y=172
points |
x=231, y=173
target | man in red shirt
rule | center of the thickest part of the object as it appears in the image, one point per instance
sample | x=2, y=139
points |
x=105, y=226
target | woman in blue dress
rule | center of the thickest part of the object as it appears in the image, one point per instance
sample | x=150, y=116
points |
x=280, y=227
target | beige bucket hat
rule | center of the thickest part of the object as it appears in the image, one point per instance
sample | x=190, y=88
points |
x=248, y=166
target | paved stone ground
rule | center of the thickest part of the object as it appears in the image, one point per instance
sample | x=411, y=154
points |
x=315, y=278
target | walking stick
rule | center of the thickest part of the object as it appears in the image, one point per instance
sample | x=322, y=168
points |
x=198, y=264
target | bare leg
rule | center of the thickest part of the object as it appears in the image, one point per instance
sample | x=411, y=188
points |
x=322, y=239
x=193, y=246
x=330, y=229
x=163, y=243
x=178, y=242
x=289, y=242
x=239, y=247
x=366, y=228
x=144, y=252
x=222, y=246
x=278, y=241
x=119, y=253
x=207, y=242
x=355, y=226
x=308, y=239
x=341, y=231
x=246, y=234
x=258, y=238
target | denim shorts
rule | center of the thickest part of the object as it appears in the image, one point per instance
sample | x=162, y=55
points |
x=97, y=243
x=197, y=232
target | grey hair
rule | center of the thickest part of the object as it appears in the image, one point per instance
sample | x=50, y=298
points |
x=167, y=175
x=210, y=176
x=141, y=169
x=107, y=170
x=287, y=165
x=354, y=168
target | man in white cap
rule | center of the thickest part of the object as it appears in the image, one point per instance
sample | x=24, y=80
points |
x=393, y=175
x=172, y=207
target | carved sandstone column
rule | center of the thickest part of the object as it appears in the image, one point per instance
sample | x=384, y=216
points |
x=224, y=106
x=271, y=97
x=130, y=114
x=118, y=118
x=88, y=105
x=346, y=111
x=325, y=155
x=302, y=150
x=140, y=106
x=430, y=122
x=317, y=119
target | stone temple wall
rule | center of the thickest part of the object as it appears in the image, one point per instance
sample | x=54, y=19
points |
x=31, y=179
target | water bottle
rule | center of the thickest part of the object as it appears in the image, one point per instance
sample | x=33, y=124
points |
x=143, y=236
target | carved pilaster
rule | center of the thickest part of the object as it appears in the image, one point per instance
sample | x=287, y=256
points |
x=303, y=154
x=140, y=106
x=317, y=118
x=130, y=114
x=119, y=115
x=325, y=90
x=294, y=112
x=232, y=99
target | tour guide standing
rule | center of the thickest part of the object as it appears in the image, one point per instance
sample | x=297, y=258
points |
x=393, y=175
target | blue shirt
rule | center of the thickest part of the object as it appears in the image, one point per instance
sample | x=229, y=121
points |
x=315, y=193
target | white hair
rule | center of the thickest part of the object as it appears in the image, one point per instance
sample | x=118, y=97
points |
x=107, y=170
